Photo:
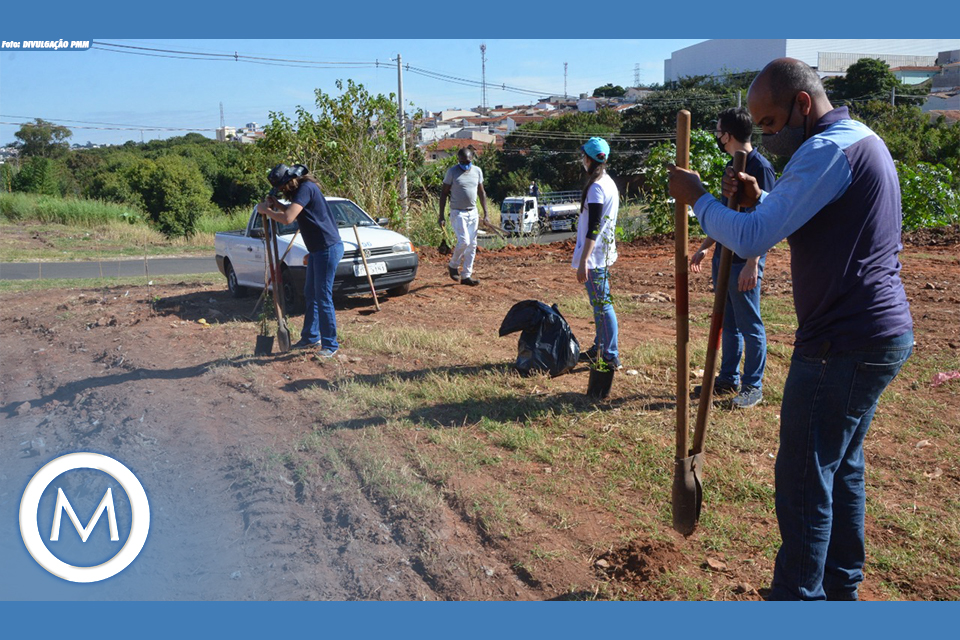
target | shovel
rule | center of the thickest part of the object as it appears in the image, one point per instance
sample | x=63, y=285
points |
x=687, y=480
x=366, y=268
x=283, y=334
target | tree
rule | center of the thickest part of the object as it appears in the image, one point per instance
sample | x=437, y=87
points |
x=871, y=79
x=42, y=139
x=351, y=145
x=609, y=91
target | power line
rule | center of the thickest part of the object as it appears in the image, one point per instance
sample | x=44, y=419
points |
x=137, y=127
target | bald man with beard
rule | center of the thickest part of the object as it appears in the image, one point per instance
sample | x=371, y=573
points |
x=838, y=205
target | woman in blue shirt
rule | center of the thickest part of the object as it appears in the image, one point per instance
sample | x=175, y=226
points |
x=318, y=226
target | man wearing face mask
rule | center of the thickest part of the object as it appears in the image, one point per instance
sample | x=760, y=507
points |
x=743, y=333
x=462, y=183
x=838, y=205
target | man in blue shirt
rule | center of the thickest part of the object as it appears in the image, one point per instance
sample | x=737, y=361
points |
x=838, y=205
x=743, y=333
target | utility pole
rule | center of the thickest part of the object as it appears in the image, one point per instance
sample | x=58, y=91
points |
x=564, y=80
x=483, y=77
x=893, y=96
x=403, y=148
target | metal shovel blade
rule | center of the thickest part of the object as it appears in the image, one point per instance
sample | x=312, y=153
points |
x=687, y=493
x=283, y=338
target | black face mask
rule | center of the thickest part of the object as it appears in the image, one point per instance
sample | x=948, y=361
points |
x=786, y=141
x=720, y=145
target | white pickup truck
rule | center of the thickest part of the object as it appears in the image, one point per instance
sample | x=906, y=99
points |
x=555, y=211
x=392, y=259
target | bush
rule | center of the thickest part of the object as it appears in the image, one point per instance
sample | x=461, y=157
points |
x=174, y=193
x=928, y=200
x=38, y=175
x=705, y=158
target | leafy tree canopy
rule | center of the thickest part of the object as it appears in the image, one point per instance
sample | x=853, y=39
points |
x=43, y=139
x=609, y=90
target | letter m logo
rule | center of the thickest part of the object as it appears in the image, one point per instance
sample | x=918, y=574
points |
x=64, y=505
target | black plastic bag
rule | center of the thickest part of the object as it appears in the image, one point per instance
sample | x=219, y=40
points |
x=546, y=341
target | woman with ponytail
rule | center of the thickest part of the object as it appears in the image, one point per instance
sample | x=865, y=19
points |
x=596, y=248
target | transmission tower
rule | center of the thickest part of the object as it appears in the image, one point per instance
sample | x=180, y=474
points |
x=222, y=125
x=483, y=77
x=564, y=80
x=636, y=74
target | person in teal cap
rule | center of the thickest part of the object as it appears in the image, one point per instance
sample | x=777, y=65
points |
x=596, y=248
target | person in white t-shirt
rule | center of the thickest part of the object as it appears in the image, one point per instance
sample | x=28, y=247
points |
x=597, y=248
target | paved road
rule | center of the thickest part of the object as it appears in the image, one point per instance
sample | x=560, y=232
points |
x=173, y=266
x=110, y=268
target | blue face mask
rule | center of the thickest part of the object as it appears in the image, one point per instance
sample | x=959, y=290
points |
x=465, y=167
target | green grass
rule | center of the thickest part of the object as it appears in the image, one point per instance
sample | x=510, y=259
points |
x=24, y=207
x=24, y=286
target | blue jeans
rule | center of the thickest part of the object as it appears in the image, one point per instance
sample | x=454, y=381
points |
x=319, y=317
x=743, y=333
x=604, y=317
x=828, y=403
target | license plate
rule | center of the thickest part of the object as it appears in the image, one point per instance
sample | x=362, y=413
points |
x=376, y=268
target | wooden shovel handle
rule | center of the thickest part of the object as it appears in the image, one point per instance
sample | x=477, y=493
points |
x=366, y=268
x=681, y=288
x=716, y=327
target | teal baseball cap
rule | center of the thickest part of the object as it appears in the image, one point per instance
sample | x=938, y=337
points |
x=597, y=148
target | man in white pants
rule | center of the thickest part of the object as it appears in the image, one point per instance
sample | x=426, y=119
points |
x=462, y=183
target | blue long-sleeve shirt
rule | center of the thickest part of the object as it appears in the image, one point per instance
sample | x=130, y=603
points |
x=838, y=205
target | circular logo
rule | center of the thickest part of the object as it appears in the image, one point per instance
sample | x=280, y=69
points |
x=139, y=526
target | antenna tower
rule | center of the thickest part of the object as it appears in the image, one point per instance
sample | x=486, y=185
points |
x=483, y=77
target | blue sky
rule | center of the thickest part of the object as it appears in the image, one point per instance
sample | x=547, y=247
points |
x=98, y=86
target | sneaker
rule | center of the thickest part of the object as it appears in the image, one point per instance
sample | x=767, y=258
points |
x=748, y=397
x=720, y=388
x=613, y=363
x=303, y=344
x=326, y=354
x=470, y=282
x=454, y=273
x=590, y=355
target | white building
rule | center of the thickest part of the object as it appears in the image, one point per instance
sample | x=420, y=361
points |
x=226, y=133
x=454, y=114
x=829, y=57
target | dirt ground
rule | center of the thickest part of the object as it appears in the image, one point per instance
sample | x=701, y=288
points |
x=214, y=433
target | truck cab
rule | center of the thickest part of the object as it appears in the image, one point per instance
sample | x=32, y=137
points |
x=555, y=211
x=520, y=215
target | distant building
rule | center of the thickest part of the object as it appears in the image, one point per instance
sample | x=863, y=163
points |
x=945, y=89
x=828, y=57
x=453, y=114
x=226, y=133
x=914, y=75
x=586, y=105
x=449, y=147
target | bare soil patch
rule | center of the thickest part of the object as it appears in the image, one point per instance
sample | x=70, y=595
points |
x=284, y=477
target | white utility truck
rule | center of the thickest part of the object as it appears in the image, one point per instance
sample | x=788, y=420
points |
x=555, y=211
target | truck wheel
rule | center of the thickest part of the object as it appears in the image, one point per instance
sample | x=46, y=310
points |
x=402, y=290
x=292, y=297
x=233, y=286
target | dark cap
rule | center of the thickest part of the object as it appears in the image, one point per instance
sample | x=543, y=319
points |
x=282, y=174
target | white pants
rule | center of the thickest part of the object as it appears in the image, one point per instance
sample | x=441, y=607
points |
x=465, y=223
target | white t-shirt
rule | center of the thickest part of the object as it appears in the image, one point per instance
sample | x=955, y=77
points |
x=604, y=191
